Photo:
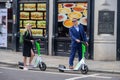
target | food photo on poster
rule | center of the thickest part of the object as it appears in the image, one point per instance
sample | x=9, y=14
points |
x=37, y=15
x=32, y=22
x=68, y=11
x=41, y=7
x=41, y=24
x=30, y=7
x=24, y=15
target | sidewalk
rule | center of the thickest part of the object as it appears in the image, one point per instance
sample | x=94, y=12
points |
x=11, y=57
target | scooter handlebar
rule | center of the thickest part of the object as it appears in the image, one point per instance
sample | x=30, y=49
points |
x=83, y=43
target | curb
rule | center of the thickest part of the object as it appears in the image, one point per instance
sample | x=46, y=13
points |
x=98, y=71
x=105, y=71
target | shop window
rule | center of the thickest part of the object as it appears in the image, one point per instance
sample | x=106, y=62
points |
x=32, y=0
x=68, y=11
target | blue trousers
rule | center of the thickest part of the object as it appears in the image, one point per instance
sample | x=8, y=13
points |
x=75, y=49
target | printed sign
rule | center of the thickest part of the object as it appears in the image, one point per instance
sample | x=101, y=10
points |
x=106, y=22
x=3, y=27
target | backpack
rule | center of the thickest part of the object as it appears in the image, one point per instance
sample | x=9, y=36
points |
x=21, y=39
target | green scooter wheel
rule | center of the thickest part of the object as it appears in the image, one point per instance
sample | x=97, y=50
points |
x=42, y=66
x=85, y=70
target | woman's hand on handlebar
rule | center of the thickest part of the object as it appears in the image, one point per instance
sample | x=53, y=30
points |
x=87, y=43
x=32, y=41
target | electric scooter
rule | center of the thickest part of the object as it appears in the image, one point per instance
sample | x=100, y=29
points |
x=81, y=65
x=38, y=61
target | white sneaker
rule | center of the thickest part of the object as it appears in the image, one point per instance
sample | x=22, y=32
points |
x=25, y=68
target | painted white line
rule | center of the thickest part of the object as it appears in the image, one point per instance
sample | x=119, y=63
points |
x=84, y=76
x=63, y=73
x=93, y=75
x=102, y=77
x=42, y=72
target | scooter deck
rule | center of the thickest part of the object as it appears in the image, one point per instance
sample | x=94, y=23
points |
x=66, y=69
x=63, y=68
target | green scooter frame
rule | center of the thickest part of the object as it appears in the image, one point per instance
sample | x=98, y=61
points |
x=38, y=61
x=81, y=65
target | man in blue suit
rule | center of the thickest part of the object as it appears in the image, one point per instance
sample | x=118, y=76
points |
x=77, y=35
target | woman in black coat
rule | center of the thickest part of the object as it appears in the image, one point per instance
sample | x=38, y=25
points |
x=28, y=46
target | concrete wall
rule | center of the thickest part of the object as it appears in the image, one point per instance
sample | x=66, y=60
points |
x=105, y=44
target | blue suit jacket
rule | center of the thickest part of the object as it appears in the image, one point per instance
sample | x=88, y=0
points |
x=74, y=34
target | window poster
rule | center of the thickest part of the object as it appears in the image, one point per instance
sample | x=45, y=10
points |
x=34, y=14
x=68, y=11
x=3, y=27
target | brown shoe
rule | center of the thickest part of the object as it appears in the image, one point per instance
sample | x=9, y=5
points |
x=70, y=67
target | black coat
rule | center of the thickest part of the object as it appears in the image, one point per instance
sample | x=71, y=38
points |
x=27, y=44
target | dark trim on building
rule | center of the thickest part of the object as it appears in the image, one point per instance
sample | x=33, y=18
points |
x=55, y=16
x=47, y=27
x=15, y=39
x=118, y=30
x=31, y=1
x=91, y=28
x=73, y=0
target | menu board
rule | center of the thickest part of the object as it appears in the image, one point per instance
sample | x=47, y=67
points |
x=68, y=11
x=34, y=14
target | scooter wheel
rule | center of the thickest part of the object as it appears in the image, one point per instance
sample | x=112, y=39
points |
x=42, y=66
x=63, y=67
x=20, y=67
x=85, y=70
x=61, y=70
